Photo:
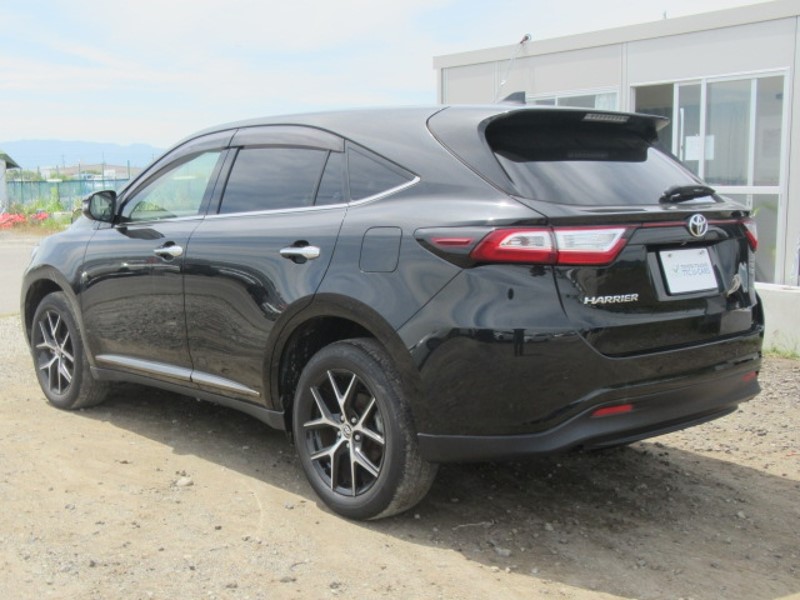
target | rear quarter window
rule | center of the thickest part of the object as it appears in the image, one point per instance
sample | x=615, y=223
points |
x=370, y=175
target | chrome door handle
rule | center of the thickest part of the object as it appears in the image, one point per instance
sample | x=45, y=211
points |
x=168, y=251
x=306, y=252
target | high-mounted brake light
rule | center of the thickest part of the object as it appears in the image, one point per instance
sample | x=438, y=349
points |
x=557, y=245
x=751, y=230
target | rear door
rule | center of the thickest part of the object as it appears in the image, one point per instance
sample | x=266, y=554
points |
x=667, y=288
x=637, y=269
x=264, y=249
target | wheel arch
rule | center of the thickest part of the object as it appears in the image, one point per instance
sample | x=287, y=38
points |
x=39, y=284
x=327, y=319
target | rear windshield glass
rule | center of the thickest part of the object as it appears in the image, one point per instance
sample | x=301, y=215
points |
x=590, y=164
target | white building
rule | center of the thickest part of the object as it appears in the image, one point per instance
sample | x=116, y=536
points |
x=728, y=81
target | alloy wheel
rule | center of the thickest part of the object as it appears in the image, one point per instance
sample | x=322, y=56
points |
x=55, y=358
x=344, y=435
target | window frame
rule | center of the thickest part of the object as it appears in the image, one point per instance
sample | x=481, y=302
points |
x=278, y=135
x=160, y=175
x=214, y=142
x=234, y=152
x=412, y=178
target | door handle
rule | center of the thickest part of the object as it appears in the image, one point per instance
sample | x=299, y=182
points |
x=172, y=251
x=300, y=252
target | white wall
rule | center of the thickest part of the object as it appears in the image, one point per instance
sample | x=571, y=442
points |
x=744, y=49
x=781, y=303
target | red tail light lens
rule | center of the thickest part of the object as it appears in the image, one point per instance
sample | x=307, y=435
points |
x=751, y=230
x=558, y=245
x=517, y=245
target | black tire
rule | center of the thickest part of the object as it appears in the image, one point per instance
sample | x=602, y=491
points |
x=355, y=435
x=60, y=358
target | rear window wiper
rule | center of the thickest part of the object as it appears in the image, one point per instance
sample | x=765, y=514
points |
x=682, y=193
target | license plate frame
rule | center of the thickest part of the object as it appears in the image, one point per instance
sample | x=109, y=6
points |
x=688, y=271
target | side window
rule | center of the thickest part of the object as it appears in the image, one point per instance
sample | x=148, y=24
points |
x=272, y=178
x=178, y=192
x=331, y=188
x=370, y=176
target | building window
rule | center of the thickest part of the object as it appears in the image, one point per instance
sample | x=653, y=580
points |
x=769, y=119
x=600, y=101
x=730, y=133
x=727, y=132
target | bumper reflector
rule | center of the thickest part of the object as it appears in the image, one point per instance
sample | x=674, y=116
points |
x=608, y=411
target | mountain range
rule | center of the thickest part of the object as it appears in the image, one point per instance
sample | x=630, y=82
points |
x=30, y=154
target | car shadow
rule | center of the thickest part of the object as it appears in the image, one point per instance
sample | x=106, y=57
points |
x=647, y=521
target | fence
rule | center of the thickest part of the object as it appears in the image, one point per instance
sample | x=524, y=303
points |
x=48, y=193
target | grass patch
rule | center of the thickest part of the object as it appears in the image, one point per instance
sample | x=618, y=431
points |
x=780, y=353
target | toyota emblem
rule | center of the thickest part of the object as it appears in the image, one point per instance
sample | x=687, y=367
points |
x=698, y=225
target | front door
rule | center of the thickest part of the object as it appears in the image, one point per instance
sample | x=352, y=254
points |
x=132, y=276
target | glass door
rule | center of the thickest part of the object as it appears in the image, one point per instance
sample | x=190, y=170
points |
x=688, y=143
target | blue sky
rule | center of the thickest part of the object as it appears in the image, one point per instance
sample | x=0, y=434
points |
x=154, y=72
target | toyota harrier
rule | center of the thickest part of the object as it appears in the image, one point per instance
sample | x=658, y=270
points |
x=398, y=288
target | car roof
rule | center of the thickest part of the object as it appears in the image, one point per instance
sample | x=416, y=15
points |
x=424, y=139
x=361, y=124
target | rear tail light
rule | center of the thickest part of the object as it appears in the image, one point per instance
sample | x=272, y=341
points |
x=751, y=230
x=517, y=245
x=556, y=245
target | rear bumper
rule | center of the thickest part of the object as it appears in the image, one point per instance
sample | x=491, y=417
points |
x=657, y=408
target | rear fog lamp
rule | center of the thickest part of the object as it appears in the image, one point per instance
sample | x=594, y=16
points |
x=749, y=376
x=617, y=409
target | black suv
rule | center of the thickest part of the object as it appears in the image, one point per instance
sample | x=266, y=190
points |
x=402, y=287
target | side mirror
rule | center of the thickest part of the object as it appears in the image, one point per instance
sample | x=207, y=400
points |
x=100, y=206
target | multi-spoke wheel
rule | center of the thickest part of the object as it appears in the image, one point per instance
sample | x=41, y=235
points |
x=354, y=432
x=59, y=357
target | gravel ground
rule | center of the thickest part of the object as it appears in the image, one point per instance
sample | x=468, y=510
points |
x=159, y=496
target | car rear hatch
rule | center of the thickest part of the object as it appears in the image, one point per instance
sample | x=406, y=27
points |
x=645, y=258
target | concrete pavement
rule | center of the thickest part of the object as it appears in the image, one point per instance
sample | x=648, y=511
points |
x=15, y=253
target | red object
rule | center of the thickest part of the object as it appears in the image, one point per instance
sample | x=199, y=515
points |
x=608, y=411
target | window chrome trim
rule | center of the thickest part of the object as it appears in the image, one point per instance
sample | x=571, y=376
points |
x=388, y=192
x=301, y=209
x=297, y=209
x=132, y=224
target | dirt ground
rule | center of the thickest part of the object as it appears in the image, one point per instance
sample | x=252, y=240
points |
x=158, y=496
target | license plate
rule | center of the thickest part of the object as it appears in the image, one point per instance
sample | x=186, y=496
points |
x=688, y=270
